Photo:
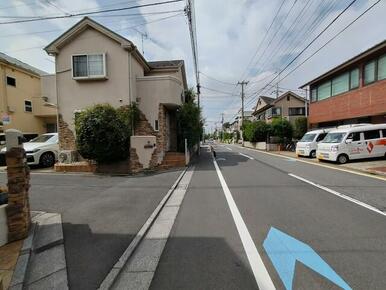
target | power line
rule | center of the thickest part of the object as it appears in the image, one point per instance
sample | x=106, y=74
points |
x=124, y=28
x=263, y=39
x=212, y=78
x=218, y=91
x=331, y=39
x=308, y=45
x=90, y=12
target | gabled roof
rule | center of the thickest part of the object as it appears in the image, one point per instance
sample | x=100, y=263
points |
x=86, y=22
x=267, y=100
x=300, y=98
x=22, y=65
x=347, y=63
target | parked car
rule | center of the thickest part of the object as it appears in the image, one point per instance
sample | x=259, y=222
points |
x=27, y=137
x=308, y=144
x=42, y=150
x=349, y=143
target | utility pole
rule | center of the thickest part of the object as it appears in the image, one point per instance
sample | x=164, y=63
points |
x=242, y=83
x=222, y=125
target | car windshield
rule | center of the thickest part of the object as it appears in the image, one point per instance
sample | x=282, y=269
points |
x=43, y=139
x=308, y=138
x=333, y=137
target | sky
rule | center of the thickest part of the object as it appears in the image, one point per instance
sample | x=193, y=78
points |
x=237, y=40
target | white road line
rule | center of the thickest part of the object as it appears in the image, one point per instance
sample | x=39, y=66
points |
x=228, y=148
x=262, y=277
x=245, y=155
x=317, y=164
x=341, y=195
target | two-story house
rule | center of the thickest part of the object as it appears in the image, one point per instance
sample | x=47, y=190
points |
x=27, y=97
x=95, y=65
x=289, y=106
x=352, y=92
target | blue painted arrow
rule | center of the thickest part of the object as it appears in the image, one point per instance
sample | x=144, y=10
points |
x=284, y=251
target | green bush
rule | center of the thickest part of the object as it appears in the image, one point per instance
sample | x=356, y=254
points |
x=256, y=131
x=300, y=127
x=103, y=133
x=282, y=129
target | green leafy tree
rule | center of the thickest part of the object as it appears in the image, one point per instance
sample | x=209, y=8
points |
x=103, y=132
x=282, y=129
x=300, y=127
x=189, y=122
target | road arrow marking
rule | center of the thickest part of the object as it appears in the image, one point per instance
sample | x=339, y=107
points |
x=284, y=251
x=220, y=159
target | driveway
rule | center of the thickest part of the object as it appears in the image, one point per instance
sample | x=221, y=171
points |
x=101, y=215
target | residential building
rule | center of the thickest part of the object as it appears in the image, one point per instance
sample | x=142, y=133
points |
x=95, y=65
x=27, y=97
x=289, y=106
x=352, y=92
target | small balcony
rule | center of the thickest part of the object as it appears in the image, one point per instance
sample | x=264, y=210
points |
x=43, y=108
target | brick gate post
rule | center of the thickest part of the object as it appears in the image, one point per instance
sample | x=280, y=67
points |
x=18, y=209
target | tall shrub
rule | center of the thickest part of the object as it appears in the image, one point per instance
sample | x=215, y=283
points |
x=102, y=134
x=189, y=122
x=300, y=127
x=281, y=128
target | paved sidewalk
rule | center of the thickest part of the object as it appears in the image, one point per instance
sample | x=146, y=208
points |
x=8, y=258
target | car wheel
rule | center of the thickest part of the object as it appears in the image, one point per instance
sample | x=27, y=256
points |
x=342, y=159
x=47, y=159
x=313, y=154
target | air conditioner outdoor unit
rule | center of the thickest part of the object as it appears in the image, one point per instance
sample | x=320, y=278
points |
x=68, y=156
x=11, y=109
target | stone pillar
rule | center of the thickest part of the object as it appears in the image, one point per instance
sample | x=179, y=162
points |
x=18, y=209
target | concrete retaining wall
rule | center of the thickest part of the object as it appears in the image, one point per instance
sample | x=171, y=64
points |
x=261, y=146
x=3, y=225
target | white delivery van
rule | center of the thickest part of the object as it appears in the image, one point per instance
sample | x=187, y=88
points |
x=307, y=145
x=344, y=144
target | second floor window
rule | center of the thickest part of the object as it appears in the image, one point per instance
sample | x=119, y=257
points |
x=299, y=111
x=89, y=66
x=27, y=106
x=11, y=81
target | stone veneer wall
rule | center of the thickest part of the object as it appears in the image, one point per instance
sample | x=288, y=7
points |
x=66, y=136
x=144, y=128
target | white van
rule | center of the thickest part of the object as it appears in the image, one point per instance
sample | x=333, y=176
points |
x=307, y=145
x=344, y=144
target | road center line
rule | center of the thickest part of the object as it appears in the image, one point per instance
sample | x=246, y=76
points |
x=261, y=274
x=341, y=195
x=245, y=155
x=228, y=148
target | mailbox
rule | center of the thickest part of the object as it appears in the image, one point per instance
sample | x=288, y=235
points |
x=13, y=138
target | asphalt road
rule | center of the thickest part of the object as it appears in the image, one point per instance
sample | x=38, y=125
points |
x=101, y=215
x=334, y=241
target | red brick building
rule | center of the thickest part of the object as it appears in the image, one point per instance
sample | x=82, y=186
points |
x=353, y=92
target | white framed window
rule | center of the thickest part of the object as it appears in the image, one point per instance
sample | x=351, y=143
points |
x=27, y=106
x=88, y=66
x=156, y=125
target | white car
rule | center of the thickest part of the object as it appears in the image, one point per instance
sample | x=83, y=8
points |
x=308, y=144
x=42, y=150
x=349, y=143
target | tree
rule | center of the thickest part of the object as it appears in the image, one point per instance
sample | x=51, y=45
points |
x=256, y=131
x=101, y=135
x=189, y=122
x=226, y=125
x=300, y=127
x=281, y=128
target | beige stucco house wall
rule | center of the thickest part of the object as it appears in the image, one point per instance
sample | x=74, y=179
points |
x=27, y=87
x=155, y=86
x=285, y=102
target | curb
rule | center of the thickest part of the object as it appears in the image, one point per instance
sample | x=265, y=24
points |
x=117, y=268
x=42, y=263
